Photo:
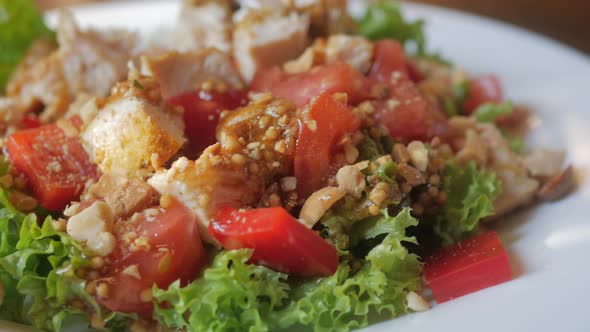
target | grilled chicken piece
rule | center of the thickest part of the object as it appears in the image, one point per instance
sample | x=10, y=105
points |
x=544, y=163
x=518, y=188
x=181, y=72
x=353, y=50
x=86, y=61
x=266, y=39
x=135, y=132
x=484, y=144
x=203, y=24
x=327, y=17
x=256, y=147
x=125, y=196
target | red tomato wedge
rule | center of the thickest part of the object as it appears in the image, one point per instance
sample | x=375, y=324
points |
x=301, y=88
x=316, y=147
x=467, y=266
x=173, y=251
x=483, y=89
x=201, y=113
x=279, y=241
x=389, y=57
x=56, y=166
x=405, y=112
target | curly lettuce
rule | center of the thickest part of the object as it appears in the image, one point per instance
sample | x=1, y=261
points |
x=233, y=295
x=470, y=196
x=37, y=270
x=20, y=24
x=384, y=19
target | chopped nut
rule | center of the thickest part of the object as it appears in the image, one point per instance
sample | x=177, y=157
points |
x=417, y=302
x=132, y=271
x=102, y=290
x=351, y=153
x=351, y=180
x=274, y=200
x=374, y=210
x=71, y=210
x=238, y=159
x=318, y=203
x=97, y=262
x=165, y=201
x=400, y=153
x=412, y=176
x=418, y=154
x=59, y=224
x=97, y=322
x=362, y=165
x=22, y=201
x=341, y=97
x=379, y=193
x=288, y=183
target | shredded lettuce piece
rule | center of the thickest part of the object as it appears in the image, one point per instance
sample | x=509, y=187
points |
x=233, y=295
x=470, y=196
x=488, y=112
x=453, y=105
x=384, y=19
x=20, y=24
x=516, y=144
x=371, y=148
x=37, y=269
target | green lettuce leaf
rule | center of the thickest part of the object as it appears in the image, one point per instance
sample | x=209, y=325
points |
x=488, y=112
x=235, y=296
x=20, y=24
x=347, y=299
x=470, y=196
x=231, y=296
x=453, y=105
x=37, y=269
x=384, y=19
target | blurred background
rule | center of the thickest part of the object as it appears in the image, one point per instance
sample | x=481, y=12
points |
x=565, y=20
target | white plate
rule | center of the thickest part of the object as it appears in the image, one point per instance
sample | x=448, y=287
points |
x=548, y=244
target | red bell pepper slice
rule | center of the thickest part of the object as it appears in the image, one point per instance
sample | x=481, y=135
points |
x=467, y=267
x=55, y=165
x=279, y=241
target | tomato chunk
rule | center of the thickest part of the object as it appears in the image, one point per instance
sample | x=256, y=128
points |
x=301, y=88
x=405, y=113
x=316, y=146
x=467, y=266
x=56, y=166
x=279, y=241
x=483, y=89
x=389, y=58
x=201, y=113
x=166, y=247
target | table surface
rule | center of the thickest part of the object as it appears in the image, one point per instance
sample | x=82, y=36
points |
x=565, y=20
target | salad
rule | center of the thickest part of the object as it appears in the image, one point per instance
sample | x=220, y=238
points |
x=261, y=166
